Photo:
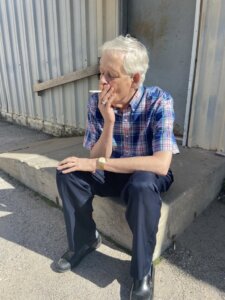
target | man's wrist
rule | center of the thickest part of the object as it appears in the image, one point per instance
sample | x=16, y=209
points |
x=100, y=163
x=109, y=124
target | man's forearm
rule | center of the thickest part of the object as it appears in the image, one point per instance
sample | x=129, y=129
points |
x=159, y=163
x=103, y=147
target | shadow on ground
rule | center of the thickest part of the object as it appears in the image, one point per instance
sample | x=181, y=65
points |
x=38, y=226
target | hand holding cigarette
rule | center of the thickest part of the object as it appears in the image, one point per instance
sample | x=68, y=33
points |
x=97, y=91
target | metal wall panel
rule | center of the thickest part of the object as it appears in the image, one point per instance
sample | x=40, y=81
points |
x=207, y=124
x=45, y=39
x=166, y=28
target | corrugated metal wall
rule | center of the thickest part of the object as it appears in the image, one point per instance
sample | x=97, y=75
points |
x=207, y=125
x=45, y=39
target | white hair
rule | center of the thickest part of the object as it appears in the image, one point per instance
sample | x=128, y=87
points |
x=136, y=59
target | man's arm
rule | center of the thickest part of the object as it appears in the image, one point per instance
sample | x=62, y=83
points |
x=159, y=163
x=103, y=147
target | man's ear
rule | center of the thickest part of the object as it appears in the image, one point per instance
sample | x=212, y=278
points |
x=136, y=80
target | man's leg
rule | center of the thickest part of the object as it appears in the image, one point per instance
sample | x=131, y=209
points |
x=76, y=194
x=77, y=190
x=142, y=197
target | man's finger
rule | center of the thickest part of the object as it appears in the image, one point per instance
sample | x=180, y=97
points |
x=66, y=171
x=67, y=160
x=67, y=165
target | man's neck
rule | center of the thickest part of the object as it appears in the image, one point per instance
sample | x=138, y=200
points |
x=124, y=105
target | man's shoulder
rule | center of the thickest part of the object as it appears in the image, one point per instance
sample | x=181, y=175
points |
x=155, y=93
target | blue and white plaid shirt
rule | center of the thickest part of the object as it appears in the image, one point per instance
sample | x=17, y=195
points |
x=144, y=127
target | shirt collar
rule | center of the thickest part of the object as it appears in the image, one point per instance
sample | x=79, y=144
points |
x=134, y=101
x=137, y=98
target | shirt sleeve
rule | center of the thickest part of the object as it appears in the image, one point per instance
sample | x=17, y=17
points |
x=163, y=136
x=93, y=123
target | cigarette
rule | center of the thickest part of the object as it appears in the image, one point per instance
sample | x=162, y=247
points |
x=95, y=91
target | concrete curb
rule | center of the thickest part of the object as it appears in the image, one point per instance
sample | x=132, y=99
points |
x=198, y=173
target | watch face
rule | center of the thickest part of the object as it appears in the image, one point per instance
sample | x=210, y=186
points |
x=102, y=160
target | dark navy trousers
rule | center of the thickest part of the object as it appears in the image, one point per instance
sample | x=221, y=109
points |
x=140, y=191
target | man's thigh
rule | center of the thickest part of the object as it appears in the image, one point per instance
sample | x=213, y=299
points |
x=141, y=179
x=106, y=183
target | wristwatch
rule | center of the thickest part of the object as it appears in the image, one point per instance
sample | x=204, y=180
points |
x=101, y=163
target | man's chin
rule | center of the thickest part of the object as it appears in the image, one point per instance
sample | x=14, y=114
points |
x=117, y=104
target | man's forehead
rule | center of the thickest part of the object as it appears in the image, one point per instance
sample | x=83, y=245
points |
x=112, y=59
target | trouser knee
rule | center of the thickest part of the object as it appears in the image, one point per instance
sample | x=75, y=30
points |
x=142, y=190
x=74, y=186
x=60, y=178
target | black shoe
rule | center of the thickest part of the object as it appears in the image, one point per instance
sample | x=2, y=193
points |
x=71, y=259
x=143, y=289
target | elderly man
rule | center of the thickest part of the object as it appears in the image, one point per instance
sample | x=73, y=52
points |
x=130, y=137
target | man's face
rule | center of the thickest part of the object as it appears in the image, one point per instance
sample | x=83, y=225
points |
x=112, y=73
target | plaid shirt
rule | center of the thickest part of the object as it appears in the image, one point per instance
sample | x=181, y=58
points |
x=144, y=127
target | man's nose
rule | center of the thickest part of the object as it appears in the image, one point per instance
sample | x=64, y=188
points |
x=103, y=79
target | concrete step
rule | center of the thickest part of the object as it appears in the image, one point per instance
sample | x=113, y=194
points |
x=198, y=178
